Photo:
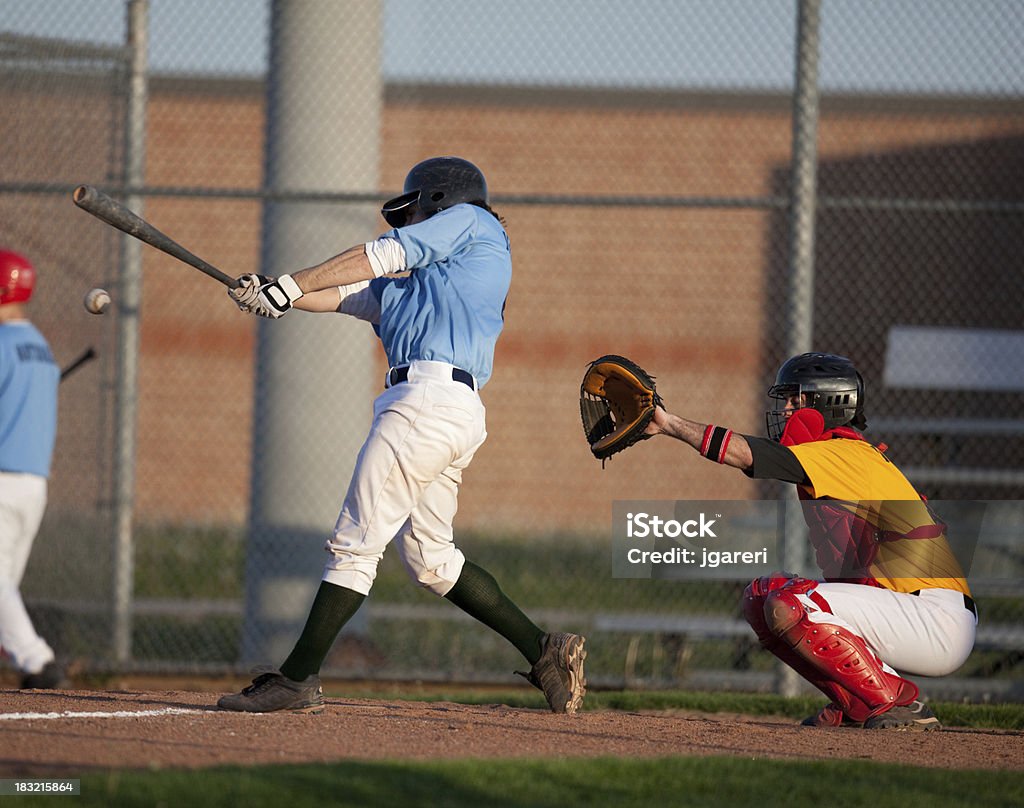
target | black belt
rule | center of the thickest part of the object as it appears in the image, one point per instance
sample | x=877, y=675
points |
x=399, y=375
x=969, y=603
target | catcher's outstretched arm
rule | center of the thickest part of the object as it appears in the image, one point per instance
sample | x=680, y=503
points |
x=714, y=442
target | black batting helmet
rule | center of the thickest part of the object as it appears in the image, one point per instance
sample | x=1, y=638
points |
x=435, y=185
x=828, y=383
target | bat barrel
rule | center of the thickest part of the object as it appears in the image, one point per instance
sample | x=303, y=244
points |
x=113, y=213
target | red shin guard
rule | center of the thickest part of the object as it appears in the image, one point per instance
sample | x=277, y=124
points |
x=753, y=610
x=834, y=660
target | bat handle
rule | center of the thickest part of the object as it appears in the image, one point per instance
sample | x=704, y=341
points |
x=90, y=353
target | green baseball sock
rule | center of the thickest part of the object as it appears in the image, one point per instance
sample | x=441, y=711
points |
x=331, y=610
x=478, y=594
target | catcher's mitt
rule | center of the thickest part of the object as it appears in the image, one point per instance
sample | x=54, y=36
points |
x=617, y=401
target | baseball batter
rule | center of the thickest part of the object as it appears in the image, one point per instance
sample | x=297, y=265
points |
x=434, y=289
x=28, y=428
x=894, y=597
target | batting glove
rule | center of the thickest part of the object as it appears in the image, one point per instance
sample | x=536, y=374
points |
x=276, y=297
x=248, y=291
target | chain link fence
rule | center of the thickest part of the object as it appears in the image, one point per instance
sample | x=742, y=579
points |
x=644, y=160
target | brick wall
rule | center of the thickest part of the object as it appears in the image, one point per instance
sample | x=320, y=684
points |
x=686, y=292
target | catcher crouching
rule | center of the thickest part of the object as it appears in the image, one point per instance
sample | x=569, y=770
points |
x=893, y=599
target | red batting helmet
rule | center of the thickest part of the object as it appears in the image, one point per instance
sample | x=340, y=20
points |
x=17, y=278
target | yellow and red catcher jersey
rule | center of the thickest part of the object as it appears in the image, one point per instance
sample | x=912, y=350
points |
x=862, y=479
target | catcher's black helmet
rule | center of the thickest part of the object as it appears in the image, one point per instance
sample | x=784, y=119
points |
x=829, y=384
x=434, y=185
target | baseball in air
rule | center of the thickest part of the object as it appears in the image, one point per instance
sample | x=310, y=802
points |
x=97, y=301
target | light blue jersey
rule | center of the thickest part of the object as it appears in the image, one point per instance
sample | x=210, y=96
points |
x=28, y=400
x=451, y=307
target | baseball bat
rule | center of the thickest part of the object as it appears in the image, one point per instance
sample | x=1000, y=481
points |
x=117, y=215
x=89, y=353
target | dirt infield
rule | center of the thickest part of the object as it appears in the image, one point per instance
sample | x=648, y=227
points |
x=73, y=732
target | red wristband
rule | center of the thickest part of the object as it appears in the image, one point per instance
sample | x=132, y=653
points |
x=715, y=442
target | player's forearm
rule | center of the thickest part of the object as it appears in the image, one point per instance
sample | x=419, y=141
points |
x=323, y=300
x=349, y=267
x=736, y=450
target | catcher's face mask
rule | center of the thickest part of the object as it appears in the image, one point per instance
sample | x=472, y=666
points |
x=827, y=383
x=834, y=405
x=784, y=400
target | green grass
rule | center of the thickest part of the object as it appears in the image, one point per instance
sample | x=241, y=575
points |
x=193, y=562
x=546, y=572
x=710, y=781
x=554, y=573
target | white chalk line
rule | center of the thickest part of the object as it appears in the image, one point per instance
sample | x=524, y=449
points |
x=115, y=714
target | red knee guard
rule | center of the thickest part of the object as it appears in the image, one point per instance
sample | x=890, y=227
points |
x=846, y=669
x=754, y=598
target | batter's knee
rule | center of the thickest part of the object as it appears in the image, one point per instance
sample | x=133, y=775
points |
x=440, y=579
x=431, y=582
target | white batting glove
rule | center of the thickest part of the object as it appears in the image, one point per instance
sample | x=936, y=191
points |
x=276, y=297
x=247, y=293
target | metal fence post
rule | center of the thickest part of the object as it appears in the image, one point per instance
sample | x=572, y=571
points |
x=129, y=300
x=800, y=303
x=316, y=376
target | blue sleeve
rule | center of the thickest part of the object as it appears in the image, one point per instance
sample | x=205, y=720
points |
x=377, y=290
x=442, y=235
x=377, y=286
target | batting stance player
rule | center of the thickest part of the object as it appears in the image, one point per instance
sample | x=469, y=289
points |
x=894, y=597
x=28, y=428
x=438, y=324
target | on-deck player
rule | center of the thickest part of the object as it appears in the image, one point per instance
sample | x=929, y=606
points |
x=894, y=596
x=438, y=324
x=28, y=428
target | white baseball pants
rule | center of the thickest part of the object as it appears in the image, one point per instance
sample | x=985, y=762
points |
x=405, y=485
x=22, y=503
x=930, y=634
